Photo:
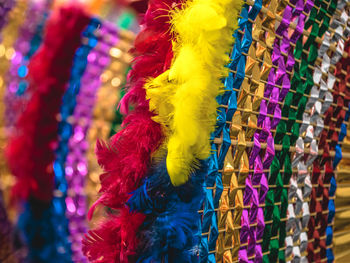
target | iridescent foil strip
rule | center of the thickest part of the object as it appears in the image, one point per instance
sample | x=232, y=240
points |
x=76, y=167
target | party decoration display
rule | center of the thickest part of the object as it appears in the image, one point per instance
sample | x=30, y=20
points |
x=50, y=56
x=229, y=142
x=287, y=133
x=172, y=211
x=322, y=203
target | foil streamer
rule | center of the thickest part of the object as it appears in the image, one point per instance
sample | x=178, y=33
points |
x=213, y=185
x=320, y=100
x=276, y=76
x=65, y=131
x=339, y=22
x=323, y=177
x=76, y=166
x=287, y=133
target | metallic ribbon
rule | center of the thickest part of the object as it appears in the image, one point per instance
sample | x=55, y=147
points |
x=287, y=133
x=301, y=187
x=65, y=131
x=76, y=166
x=213, y=185
x=275, y=91
x=322, y=200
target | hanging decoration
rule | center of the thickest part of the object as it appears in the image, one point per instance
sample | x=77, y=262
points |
x=49, y=72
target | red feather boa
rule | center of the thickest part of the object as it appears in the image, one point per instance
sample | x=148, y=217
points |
x=30, y=152
x=127, y=156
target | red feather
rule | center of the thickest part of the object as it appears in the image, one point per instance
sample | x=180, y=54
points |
x=30, y=152
x=126, y=157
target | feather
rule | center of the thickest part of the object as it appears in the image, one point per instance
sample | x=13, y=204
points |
x=127, y=156
x=184, y=97
x=171, y=231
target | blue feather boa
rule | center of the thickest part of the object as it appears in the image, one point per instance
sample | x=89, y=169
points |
x=172, y=229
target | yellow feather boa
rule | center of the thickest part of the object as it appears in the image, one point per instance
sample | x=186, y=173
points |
x=184, y=97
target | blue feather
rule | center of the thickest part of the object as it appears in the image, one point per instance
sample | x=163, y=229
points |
x=171, y=231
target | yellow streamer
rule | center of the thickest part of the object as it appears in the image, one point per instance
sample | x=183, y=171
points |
x=184, y=96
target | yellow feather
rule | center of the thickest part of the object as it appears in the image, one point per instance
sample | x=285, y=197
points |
x=184, y=97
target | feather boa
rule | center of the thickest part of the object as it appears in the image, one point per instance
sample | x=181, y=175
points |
x=171, y=232
x=30, y=152
x=184, y=96
x=126, y=157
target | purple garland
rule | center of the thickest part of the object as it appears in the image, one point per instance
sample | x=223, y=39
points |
x=76, y=166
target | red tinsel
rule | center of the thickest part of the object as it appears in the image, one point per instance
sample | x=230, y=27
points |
x=30, y=152
x=127, y=156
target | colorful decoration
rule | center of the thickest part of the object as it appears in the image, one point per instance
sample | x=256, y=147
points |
x=178, y=95
x=76, y=166
x=225, y=144
x=139, y=138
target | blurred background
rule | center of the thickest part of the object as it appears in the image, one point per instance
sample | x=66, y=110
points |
x=36, y=229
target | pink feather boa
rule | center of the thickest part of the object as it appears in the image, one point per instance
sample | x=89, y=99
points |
x=126, y=157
